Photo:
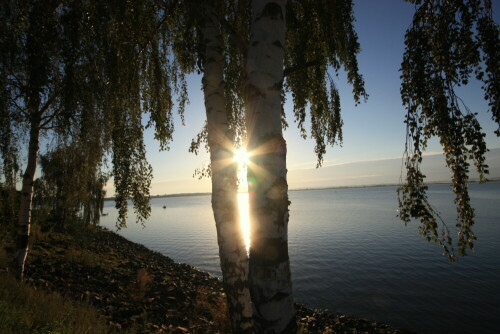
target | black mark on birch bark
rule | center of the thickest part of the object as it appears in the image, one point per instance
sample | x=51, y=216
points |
x=273, y=11
x=22, y=241
x=269, y=251
x=278, y=44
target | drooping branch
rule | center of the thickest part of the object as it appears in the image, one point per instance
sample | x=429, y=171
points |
x=299, y=67
x=445, y=46
x=320, y=39
x=235, y=36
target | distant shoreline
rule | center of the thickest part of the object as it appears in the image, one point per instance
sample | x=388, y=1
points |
x=496, y=179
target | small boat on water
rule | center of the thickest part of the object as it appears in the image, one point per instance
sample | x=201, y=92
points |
x=105, y=214
x=164, y=206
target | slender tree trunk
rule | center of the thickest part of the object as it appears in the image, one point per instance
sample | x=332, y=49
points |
x=270, y=278
x=232, y=251
x=23, y=229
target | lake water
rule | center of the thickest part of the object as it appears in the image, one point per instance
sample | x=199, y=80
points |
x=350, y=254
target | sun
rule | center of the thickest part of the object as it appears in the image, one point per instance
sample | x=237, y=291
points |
x=241, y=156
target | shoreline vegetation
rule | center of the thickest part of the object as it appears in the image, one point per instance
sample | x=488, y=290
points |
x=127, y=288
x=495, y=179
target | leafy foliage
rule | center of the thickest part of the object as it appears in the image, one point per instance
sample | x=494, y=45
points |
x=9, y=206
x=88, y=72
x=140, y=77
x=72, y=184
x=236, y=35
x=448, y=42
x=320, y=37
x=189, y=47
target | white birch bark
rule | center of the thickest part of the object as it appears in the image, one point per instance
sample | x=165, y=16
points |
x=23, y=228
x=232, y=251
x=270, y=278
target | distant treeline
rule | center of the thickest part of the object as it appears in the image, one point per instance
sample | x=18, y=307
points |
x=495, y=179
x=168, y=195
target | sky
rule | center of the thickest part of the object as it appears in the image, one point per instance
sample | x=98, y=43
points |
x=374, y=132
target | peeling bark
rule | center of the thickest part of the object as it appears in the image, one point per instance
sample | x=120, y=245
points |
x=270, y=278
x=232, y=252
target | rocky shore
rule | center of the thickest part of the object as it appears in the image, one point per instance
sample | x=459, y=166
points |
x=141, y=291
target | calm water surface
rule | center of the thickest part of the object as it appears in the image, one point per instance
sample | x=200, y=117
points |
x=350, y=254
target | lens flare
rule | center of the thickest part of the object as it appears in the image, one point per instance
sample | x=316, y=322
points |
x=244, y=218
x=241, y=156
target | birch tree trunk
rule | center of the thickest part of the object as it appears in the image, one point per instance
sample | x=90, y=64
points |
x=23, y=228
x=270, y=278
x=232, y=251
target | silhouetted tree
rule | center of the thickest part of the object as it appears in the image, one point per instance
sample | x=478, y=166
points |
x=87, y=70
x=128, y=57
x=241, y=52
x=71, y=185
x=285, y=44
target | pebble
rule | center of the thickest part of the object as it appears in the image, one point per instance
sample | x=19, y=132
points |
x=149, y=291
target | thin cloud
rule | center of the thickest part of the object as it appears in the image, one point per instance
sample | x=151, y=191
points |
x=312, y=165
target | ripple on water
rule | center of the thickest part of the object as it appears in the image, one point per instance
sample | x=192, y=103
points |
x=350, y=254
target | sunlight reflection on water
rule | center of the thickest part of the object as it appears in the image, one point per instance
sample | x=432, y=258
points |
x=349, y=253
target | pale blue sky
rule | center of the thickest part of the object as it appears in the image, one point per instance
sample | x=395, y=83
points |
x=373, y=131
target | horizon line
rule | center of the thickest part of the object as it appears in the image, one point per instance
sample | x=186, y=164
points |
x=495, y=179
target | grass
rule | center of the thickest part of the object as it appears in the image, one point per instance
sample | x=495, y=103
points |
x=4, y=257
x=142, y=284
x=83, y=256
x=26, y=310
x=214, y=307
